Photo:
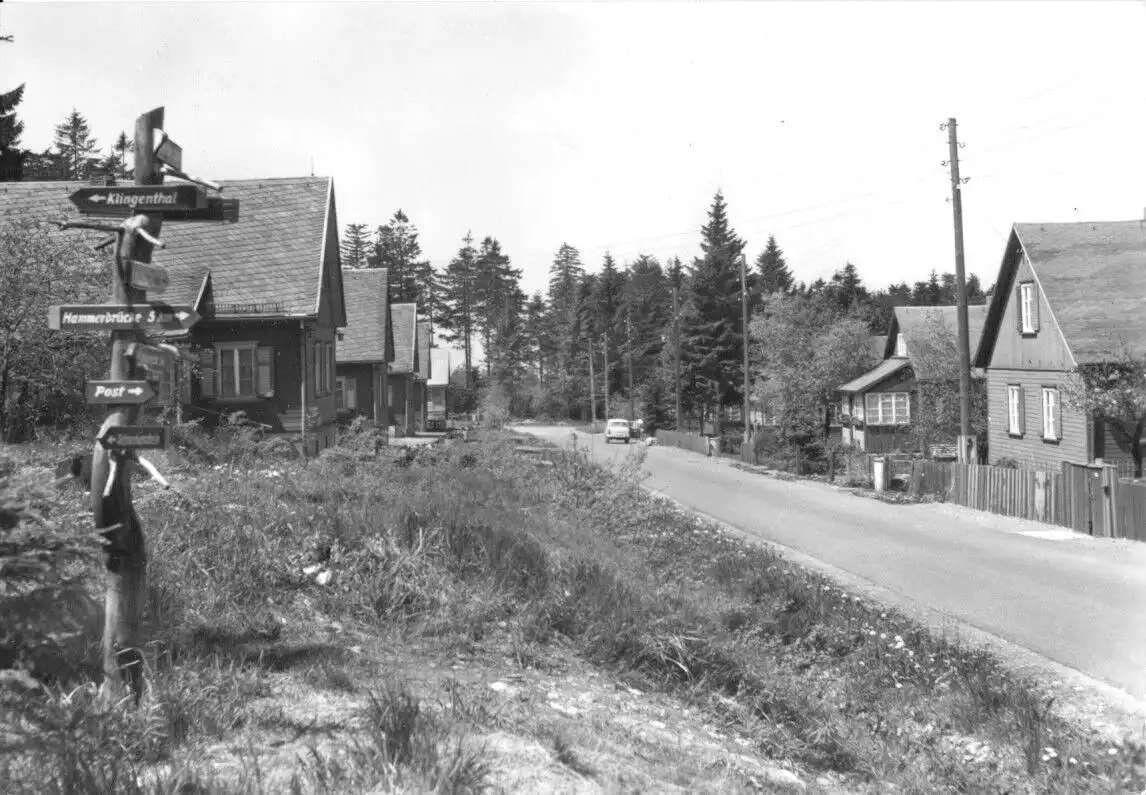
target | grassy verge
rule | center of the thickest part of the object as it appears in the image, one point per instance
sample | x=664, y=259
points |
x=273, y=583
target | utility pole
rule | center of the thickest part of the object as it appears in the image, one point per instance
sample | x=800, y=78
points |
x=606, y=347
x=744, y=325
x=676, y=352
x=963, y=335
x=592, y=389
x=629, y=345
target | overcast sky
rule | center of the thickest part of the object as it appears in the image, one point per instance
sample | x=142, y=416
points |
x=610, y=126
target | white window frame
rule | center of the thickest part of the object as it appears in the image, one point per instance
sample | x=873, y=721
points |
x=222, y=376
x=1052, y=413
x=1027, y=299
x=887, y=408
x=346, y=386
x=900, y=345
x=1014, y=410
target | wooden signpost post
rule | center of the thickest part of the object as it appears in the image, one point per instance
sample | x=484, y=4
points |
x=143, y=207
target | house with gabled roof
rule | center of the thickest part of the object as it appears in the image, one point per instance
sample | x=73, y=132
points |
x=438, y=387
x=876, y=407
x=404, y=374
x=1068, y=295
x=269, y=292
x=421, y=386
x=366, y=348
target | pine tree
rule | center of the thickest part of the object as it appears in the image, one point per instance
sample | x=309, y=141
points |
x=537, y=333
x=396, y=248
x=773, y=269
x=846, y=288
x=122, y=146
x=608, y=299
x=75, y=145
x=711, y=335
x=11, y=128
x=509, y=347
x=494, y=285
x=566, y=277
x=355, y=246
x=457, y=318
x=647, y=303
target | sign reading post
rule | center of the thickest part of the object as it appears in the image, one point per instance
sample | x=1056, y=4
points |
x=118, y=392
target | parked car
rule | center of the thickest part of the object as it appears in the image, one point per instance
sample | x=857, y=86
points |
x=617, y=429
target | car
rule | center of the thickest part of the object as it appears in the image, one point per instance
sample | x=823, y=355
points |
x=617, y=429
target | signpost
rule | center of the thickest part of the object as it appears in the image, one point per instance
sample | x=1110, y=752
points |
x=128, y=199
x=151, y=358
x=109, y=393
x=122, y=317
x=135, y=437
x=143, y=207
x=147, y=277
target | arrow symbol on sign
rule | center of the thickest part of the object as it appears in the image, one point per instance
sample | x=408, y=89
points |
x=136, y=391
x=99, y=197
x=182, y=315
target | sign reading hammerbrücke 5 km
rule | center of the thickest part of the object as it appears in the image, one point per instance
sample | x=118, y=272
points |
x=116, y=317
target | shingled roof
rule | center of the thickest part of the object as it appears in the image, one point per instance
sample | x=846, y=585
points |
x=274, y=254
x=1094, y=278
x=912, y=321
x=424, y=340
x=366, y=337
x=403, y=319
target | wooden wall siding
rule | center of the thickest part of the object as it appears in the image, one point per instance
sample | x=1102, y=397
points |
x=284, y=338
x=1130, y=508
x=1030, y=451
x=1045, y=350
x=363, y=375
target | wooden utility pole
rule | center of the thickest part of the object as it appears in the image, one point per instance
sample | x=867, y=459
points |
x=112, y=509
x=606, y=347
x=592, y=389
x=676, y=351
x=629, y=346
x=744, y=326
x=963, y=335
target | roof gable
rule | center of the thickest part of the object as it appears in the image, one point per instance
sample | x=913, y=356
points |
x=366, y=337
x=403, y=322
x=914, y=322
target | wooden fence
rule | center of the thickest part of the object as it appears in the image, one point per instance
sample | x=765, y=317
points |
x=688, y=441
x=1130, y=508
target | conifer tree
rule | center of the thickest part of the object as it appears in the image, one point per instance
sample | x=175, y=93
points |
x=11, y=128
x=397, y=249
x=495, y=285
x=773, y=269
x=608, y=299
x=355, y=246
x=457, y=318
x=566, y=278
x=75, y=145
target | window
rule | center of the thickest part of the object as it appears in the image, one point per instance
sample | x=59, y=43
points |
x=1052, y=426
x=236, y=370
x=1028, y=309
x=346, y=398
x=887, y=408
x=1015, y=410
x=322, y=358
x=900, y=345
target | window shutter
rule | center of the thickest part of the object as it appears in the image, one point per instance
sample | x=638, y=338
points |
x=1057, y=416
x=1019, y=309
x=1034, y=307
x=265, y=360
x=314, y=370
x=1022, y=411
x=207, y=372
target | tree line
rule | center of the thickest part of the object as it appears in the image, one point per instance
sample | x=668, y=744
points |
x=637, y=320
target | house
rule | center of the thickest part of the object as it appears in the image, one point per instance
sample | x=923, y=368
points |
x=1068, y=295
x=404, y=376
x=268, y=290
x=437, y=388
x=877, y=406
x=421, y=390
x=366, y=348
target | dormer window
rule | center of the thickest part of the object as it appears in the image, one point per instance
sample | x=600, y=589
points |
x=1027, y=306
x=900, y=345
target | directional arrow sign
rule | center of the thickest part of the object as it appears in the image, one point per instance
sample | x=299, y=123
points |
x=121, y=317
x=150, y=357
x=135, y=437
x=118, y=392
x=148, y=277
x=122, y=199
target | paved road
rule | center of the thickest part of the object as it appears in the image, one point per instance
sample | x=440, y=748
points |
x=1075, y=600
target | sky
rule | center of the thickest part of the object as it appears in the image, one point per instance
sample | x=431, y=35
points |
x=610, y=126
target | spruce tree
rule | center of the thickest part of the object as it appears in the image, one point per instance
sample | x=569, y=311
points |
x=355, y=246
x=608, y=299
x=566, y=278
x=396, y=248
x=457, y=318
x=11, y=128
x=122, y=146
x=647, y=302
x=75, y=145
x=773, y=269
x=711, y=336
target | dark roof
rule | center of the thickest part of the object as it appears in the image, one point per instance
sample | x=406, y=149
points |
x=424, y=340
x=1094, y=278
x=272, y=255
x=913, y=320
x=366, y=334
x=403, y=319
x=882, y=371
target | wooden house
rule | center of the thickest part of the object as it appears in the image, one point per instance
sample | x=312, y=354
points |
x=366, y=348
x=876, y=407
x=404, y=377
x=437, y=389
x=1068, y=295
x=421, y=385
x=268, y=288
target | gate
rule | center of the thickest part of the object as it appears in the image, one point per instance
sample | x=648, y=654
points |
x=1089, y=495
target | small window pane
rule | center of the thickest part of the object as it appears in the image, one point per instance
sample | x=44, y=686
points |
x=246, y=372
x=227, y=372
x=901, y=407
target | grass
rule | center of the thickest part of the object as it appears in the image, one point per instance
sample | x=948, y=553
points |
x=270, y=575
